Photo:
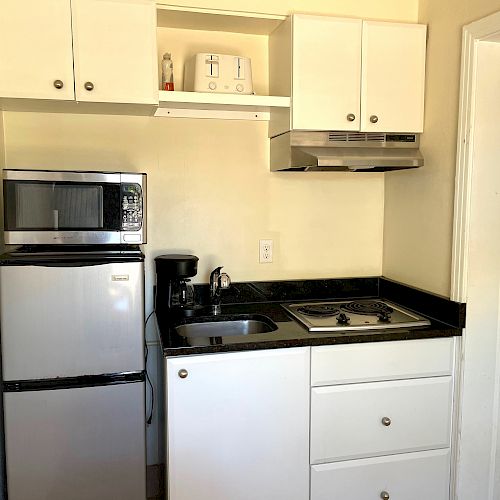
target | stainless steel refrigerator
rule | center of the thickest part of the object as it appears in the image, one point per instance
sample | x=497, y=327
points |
x=72, y=339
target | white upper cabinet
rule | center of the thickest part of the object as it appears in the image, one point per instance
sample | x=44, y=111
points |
x=115, y=51
x=110, y=43
x=326, y=73
x=393, y=75
x=353, y=75
x=32, y=63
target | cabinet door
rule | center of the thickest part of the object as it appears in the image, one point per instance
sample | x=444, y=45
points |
x=35, y=49
x=380, y=418
x=393, y=77
x=238, y=426
x=326, y=73
x=115, y=51
x=412, y=476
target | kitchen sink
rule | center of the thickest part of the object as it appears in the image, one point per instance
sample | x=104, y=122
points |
x=226, y=326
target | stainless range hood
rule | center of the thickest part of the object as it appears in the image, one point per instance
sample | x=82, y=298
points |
x=344, y=151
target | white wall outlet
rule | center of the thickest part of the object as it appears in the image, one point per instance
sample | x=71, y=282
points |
x=265, y=251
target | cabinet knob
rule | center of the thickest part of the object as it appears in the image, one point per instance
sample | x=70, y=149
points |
x=351, y=117
x=89, y=86
x=374, y=118
x=386, y=421
x=58, y=84
x=384, y=495
x=183, y=373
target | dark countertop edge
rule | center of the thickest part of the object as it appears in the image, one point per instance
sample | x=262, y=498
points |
x=393, y=335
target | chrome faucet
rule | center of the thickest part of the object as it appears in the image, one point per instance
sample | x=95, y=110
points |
x=218, y=281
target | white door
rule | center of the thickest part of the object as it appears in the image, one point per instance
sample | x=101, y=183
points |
x=238, y=426
x=71, y=321
x=326, y=73
x=36, y=58
x=393, y=77
x=115, y=51
x=79, y=444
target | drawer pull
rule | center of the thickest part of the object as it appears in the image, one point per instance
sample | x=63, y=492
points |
x=183, y=373
x=384, y=495
x=386, y=421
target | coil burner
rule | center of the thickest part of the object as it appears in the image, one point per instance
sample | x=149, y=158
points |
x=353, y=315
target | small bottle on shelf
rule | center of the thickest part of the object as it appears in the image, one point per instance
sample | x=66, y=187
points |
x=167, y=72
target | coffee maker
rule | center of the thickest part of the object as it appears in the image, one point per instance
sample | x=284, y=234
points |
x=174, y=291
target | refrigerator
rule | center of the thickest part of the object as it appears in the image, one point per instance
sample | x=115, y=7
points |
x=73, y=379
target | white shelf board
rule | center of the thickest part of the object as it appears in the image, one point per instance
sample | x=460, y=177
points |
x=222, y=106
x=174, y=16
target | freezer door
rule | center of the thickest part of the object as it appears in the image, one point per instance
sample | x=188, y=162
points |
x=78, y=444
x=71, y=321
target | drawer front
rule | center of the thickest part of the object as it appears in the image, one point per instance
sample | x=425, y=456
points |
x=351, y=363
x=412, y=476
x=348, y=421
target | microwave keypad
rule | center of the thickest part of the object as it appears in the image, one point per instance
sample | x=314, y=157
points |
x=131, y=207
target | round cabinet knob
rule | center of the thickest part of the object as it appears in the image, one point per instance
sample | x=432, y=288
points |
x=240, y=87
x=183, y=373
x=212, y=86
x=58, y=84
x=384, y=495
x=89, y=86
x=351, y=117
x=374, y=118
x=386, y=421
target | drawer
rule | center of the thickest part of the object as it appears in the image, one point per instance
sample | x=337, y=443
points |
x=411, y=476
x=347, y=421
x=371, y=361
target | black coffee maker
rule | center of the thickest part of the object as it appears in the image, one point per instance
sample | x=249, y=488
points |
x=174, y=291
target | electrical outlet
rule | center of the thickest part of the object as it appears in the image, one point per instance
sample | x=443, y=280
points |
x=265, y=251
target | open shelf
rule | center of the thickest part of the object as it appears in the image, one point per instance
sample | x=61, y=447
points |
x=222, y=106
x=173, y=16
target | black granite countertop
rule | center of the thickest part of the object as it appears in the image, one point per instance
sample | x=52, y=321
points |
x=446, y=317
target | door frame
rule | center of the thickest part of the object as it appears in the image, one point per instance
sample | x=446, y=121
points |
x=485, y=29
x=473, y=33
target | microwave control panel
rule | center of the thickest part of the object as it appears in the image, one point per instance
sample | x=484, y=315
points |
x=131, y=196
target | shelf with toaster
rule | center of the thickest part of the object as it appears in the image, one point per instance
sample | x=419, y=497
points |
x=180, y=104
x=185, y=31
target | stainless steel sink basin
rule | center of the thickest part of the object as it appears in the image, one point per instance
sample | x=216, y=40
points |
x=220, y=326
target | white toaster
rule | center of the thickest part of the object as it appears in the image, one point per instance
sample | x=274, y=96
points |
x=218, y=73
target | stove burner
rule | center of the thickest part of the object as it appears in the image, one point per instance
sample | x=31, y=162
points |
x=319, y=310
x=368, y=307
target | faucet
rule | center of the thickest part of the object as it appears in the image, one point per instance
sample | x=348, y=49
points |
x=218, y=281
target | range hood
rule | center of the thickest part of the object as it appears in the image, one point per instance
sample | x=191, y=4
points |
x=344, y=151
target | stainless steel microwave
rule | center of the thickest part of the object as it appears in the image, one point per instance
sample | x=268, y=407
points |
x=74, y=208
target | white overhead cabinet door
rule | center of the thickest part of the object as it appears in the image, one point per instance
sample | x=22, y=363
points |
x=115, y=51
x=326, y=73
x=36, y=58
x=393, y=77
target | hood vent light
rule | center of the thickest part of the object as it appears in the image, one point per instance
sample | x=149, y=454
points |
x=355, y=137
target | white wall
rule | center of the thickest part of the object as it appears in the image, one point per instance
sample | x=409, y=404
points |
x=419, y=204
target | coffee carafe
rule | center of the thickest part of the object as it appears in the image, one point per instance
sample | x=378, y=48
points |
x=174, y=290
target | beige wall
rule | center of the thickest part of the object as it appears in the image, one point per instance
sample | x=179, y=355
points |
x=211, y=192
x=419, y=204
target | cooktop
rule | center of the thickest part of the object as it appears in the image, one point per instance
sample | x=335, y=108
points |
x=330, y=316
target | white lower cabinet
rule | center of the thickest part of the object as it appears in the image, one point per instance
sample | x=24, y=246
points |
x=379, y=418
x=238, y=426
x=411, y=476
x=256, y=425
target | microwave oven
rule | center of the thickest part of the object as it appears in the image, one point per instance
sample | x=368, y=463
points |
x=74, y=208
